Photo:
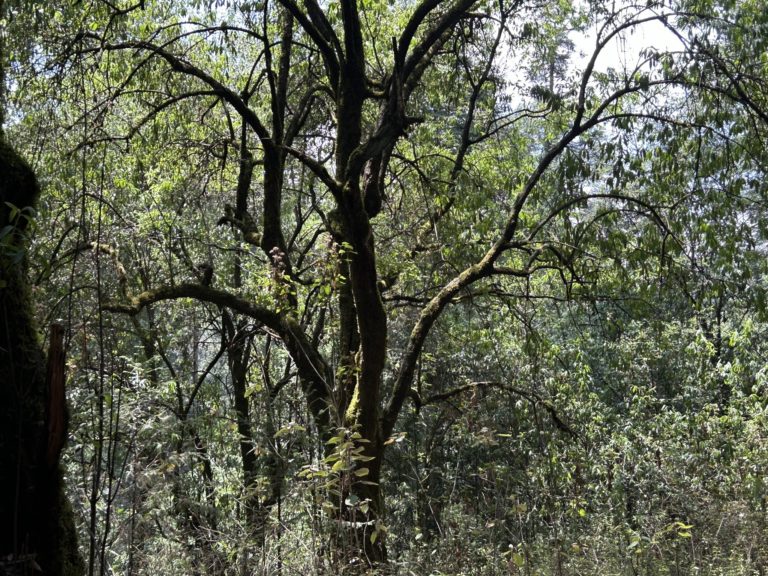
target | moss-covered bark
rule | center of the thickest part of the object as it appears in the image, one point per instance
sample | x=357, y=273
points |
x=37, y=531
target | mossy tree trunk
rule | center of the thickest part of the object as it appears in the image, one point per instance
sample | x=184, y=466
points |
x=37, y=531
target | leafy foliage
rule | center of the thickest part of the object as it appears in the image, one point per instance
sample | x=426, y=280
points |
x=428, y=287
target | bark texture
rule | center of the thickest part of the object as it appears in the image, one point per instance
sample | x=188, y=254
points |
x=37, y=530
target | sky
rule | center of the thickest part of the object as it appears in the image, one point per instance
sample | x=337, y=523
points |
x=624, y=50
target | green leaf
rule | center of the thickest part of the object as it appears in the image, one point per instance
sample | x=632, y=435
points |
x=351, y=500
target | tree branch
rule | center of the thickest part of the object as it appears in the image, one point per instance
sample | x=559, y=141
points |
x=531, y=396
x=322, y=35
x=189, y=69
x=450, y=18
x=312, y=367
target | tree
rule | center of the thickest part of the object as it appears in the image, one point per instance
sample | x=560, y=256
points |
x=37, y=530
x=357, y=174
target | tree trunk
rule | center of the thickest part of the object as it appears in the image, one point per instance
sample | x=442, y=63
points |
x=37, y=530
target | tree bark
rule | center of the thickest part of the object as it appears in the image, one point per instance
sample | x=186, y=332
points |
x=37, y=530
